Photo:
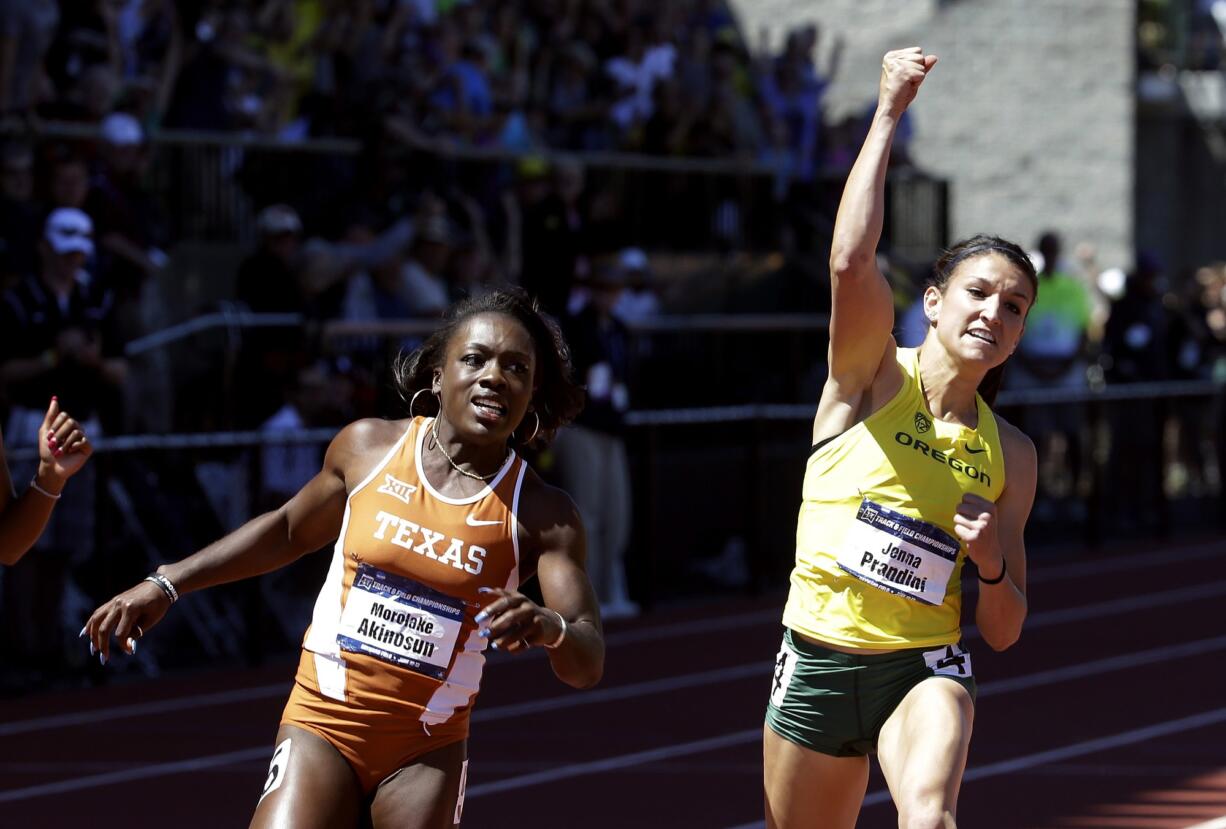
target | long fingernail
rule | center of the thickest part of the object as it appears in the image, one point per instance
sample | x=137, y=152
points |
x=485, y=590
x=481, y=617
x=92, y=649
x=131, y=646
x=484, y=633
x=82, y=633
x=494, y=645
x=102, y=658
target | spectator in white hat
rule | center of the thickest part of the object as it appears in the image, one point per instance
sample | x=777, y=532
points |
x=269, y=282
x=57, y=339
x=132, y=231
x=638, y=300
x=119, y=129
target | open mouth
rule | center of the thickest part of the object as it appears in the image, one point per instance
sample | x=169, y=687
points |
x=489, y=408
x=983, y=335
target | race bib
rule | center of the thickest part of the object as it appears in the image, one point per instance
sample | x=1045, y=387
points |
x=951, y=660
x=898, y=553
x=785, y=667
x=400, y=621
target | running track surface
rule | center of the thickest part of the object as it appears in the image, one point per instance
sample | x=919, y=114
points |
x=1110, y=712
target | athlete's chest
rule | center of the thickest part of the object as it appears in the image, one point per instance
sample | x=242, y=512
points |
x=399, y=526
x=934, y=462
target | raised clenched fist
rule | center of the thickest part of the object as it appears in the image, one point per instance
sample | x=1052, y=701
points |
x=902, y=72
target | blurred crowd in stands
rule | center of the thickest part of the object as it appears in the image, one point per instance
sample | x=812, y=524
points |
x=399, y=232
x=567, y=74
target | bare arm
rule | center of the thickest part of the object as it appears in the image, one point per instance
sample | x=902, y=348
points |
x=578, y=660
x=863, y=309
x=995, y=543
x=23, y=518
x=308, y=521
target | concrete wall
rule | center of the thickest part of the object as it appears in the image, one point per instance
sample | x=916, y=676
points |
x=1030, y=113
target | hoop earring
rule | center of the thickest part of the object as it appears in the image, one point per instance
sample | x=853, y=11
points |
x=413, y=399
x=536, y=429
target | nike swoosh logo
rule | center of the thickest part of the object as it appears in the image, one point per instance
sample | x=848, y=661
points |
x=477, y=522
x=976, y=451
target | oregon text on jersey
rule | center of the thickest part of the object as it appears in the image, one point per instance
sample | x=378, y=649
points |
x=973, y=472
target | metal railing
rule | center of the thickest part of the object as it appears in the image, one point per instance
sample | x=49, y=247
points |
x=212, y=185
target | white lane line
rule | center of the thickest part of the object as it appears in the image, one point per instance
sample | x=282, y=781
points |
x=696, y=627
x=1036, y=620
x=1028, y=761
x=621, y=761
x=279, y=689
x=629, y=691
x=1153, y=656
x=1039, y=758
x=1049, y=572
x=143, y=709
x=137, y=773
x=652, y=633
x=1162, y=653
x=1051, y=677
x=662, y=686
x=1128, y=604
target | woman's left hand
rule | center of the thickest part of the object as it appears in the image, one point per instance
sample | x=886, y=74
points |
x=513, y=622
x=975, y=523
x=63, y=447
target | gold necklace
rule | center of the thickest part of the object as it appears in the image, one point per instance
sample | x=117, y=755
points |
x=456, y=466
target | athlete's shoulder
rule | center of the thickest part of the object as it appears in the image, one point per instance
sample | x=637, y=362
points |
x=362, y=439
x=543, y=505
x=1016, y=444
x=371, y=433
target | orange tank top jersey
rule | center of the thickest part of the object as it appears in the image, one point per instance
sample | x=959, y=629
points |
x=392, y=640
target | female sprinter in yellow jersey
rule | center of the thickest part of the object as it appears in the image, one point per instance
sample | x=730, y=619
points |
x=437, y=521
x=911, y=473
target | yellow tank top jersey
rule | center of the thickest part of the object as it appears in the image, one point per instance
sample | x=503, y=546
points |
x=393, y=629
x=878, y=564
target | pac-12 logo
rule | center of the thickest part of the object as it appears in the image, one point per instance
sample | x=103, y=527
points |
x=922, y=423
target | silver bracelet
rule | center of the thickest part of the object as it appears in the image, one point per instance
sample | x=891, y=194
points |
x=165, y=584
x=561, y=636
x=34, y=486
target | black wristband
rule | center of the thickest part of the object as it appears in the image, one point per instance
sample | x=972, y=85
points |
x=1003, y=570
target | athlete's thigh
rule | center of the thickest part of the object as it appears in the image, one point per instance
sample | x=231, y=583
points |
x=806, y=789
x=309, y=785
x=422, y=795
x=922, y=746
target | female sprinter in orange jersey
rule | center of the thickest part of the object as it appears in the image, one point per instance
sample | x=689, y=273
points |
x=437, y=520
x=911, y=474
